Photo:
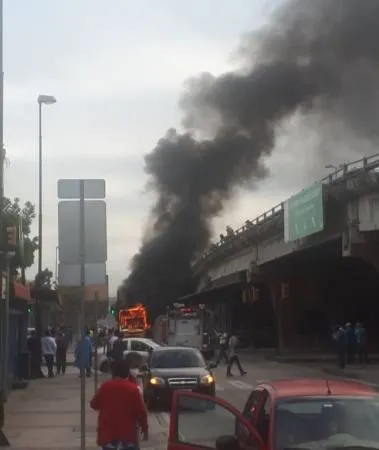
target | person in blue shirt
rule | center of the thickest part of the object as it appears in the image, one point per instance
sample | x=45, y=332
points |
x=350, y=343
x=339, y=338
x=361, y=340
x=83, y=353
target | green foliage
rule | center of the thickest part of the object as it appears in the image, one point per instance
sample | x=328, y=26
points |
x=13, y=210
x=43, y=279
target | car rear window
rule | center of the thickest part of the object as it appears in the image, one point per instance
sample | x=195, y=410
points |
x=171, y=359
x=305, y=420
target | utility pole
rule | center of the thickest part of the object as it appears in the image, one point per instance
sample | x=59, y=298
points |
x=4, y=307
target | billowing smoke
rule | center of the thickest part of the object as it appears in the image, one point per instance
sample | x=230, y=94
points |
x=315, y=56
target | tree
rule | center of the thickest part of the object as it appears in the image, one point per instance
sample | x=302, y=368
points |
x=43, y=280
x=13, y=211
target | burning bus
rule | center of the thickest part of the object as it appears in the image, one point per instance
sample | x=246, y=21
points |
x=133, y=321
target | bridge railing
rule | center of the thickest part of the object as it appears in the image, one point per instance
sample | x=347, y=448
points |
x=340, y=172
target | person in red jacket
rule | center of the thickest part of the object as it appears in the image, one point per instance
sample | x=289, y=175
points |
x=121, y=411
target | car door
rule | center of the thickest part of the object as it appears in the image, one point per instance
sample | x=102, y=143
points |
x=251, y=408
x=264, y=421
x=198, y=421
x=126, y=346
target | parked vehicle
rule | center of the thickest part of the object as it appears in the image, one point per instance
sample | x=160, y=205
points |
x=173, y=368
x=143, y=346
x=189, y=327
x=286, y=414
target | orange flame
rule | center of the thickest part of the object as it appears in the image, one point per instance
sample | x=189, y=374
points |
x=133, y=319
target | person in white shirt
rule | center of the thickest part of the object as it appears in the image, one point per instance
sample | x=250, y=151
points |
x=49, y=349
x=233, y=356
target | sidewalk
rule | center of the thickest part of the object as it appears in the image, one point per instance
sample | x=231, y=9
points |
x=310, y=357
x=367, y=374
x=46, y=415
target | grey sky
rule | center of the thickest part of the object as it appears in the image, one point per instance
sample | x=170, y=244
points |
x=117, y=69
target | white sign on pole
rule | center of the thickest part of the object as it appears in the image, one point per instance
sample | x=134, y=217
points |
x=95, y=231
x=70, y=189
x=69, y=274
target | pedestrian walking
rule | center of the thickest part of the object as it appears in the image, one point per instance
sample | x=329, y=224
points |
x=83, y=354
x=35, y=349
x=350, y=343
x=233, y=357
x=223, y=352
x=339, y=338
x=61, y=355
x=49, y=348
x=361, y=340
x=118, y=347
x=121, y=411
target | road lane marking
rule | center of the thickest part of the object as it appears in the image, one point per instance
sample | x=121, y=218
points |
x=165, y=418
x=240, y=384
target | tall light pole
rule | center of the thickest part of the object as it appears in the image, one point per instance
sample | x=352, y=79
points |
x=4, y=308
x=42, y=100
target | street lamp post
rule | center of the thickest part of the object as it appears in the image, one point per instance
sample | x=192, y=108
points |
x=42, y=100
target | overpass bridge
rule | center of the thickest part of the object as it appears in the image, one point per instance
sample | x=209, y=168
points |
x=310, y=259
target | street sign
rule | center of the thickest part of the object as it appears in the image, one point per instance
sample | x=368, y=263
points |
x=82, y=231
x=69, y=274
x=95, y=231
x=304, y=213
x=70, y=189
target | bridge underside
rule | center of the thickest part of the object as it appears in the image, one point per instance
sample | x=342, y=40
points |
x=323, y=289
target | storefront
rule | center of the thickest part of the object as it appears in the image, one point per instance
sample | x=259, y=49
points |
x=18, y=324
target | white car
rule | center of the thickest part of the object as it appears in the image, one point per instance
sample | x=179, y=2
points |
x=143, y=346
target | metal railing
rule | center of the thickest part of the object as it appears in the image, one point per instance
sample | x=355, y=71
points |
x=341, y=172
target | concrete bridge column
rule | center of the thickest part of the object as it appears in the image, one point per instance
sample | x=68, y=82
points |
x=296, y=299
x=278, y=307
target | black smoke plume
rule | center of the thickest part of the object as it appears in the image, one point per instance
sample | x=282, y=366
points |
x=315, y=55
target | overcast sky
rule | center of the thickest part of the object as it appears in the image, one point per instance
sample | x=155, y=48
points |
x=116, y=69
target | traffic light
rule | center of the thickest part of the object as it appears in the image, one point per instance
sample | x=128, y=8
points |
x=11, y=235
x=29, y=309
x=113, y=311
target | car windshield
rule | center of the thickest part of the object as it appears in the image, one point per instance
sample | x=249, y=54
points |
x=333, y=422
x=172, y=359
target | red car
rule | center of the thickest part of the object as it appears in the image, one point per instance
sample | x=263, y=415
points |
x=280, y=415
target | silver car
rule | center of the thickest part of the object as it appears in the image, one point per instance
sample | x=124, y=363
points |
x=143, y=346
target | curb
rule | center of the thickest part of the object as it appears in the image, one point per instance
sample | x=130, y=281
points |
x=342, y=373
x=308, y=359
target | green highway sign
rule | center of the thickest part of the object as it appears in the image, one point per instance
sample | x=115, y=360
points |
x=304, y=213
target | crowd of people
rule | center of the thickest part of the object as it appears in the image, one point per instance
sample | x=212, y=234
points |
x=52, y=347
x=122, y=416
x=351, y=342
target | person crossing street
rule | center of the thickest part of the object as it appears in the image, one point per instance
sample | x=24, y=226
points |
x=233, y=357
x=223, y=353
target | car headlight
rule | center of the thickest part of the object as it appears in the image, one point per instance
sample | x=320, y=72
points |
x=207, y=379
x=156, y=381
